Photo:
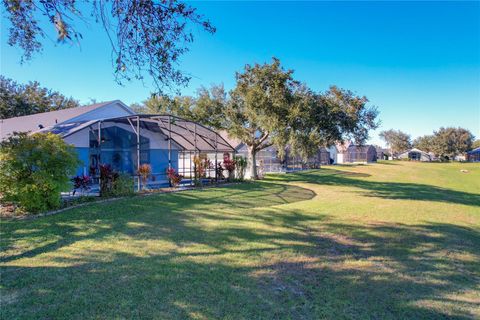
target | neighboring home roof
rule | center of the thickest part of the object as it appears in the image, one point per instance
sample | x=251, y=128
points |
x=476, y=150
x=415, y=150
x=359, y=148
x=405, y=153
x=342, y=146
x=52, y=118
x=234, y=142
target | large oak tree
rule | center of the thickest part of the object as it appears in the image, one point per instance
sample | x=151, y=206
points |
x=269, y=107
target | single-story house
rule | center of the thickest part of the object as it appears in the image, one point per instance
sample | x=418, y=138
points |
x=111, y=133
x=359, y=153
x=474, y=155
x=415, y=154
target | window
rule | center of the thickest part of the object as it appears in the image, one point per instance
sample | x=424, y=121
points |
x=118, y=148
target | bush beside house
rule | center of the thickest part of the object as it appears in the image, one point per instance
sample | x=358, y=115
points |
x=35, y=169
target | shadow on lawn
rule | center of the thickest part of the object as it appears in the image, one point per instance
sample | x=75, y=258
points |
x=387, y=190
x=63, y=229
x=266, y=261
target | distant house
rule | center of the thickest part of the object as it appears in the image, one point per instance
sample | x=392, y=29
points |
x=111, y=133
x=474, y=155
x=358, y=153
x=341, y=149
x=270, y=160
x=416, y=155
x=382, y=153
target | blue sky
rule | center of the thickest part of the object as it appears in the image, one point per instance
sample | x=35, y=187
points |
x=419, y=62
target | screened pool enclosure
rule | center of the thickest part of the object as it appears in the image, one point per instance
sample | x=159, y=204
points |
x=162, y=141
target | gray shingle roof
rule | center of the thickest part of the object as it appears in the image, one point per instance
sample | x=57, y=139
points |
x=45, y=119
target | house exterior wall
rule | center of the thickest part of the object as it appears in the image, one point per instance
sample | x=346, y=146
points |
x=474, y=156
x=157, y=150
x=84, y=156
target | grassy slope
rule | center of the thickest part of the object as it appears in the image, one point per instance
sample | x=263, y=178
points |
x=392, y=240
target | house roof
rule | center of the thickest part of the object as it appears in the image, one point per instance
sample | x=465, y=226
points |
x=234, y=142
x=360, y=148
x=188, y=135
x=416, y=150
x=476, y=150
x=46, y=119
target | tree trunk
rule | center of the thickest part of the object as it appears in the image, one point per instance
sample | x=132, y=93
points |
x=252, y=161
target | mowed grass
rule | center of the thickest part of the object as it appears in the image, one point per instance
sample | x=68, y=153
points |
x=393, y=240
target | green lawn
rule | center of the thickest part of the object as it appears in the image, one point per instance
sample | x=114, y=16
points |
x=389, y=240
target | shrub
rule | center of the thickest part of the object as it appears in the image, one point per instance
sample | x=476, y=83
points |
x=114, y=184
x=35, y=169
x=200, y=166
x=174, y=177
x=219, y=170
x=144, y=172
x=81, y=183
x=123, y=185
x=229, y=165
x=241, y=167
x=107, y=177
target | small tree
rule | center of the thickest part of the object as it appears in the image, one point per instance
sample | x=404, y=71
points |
x=35, y=169
x=144, y=172
x=229, y=165
x=396, y=140
x=174, y=177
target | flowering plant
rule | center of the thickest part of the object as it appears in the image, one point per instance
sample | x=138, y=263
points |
x=81, y=183
x=229, y=165
x=144, y=172
x=174, y=177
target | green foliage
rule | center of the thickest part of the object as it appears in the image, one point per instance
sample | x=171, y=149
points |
x=35, y=169
x=206, y=107
x=446, y=143
x=396, y=140
x=476, y=144
x=123, y=185
x=424, y=143
x=269, y=107
x=449, y=142
x=241, y=167
x=114, y=184
x=147, y=37
x=24, y=99
x=386, y=241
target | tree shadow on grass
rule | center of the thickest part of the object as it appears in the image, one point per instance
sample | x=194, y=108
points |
x=293, y=264
x=386, y=190
x=191, y=255
x=65, y=229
